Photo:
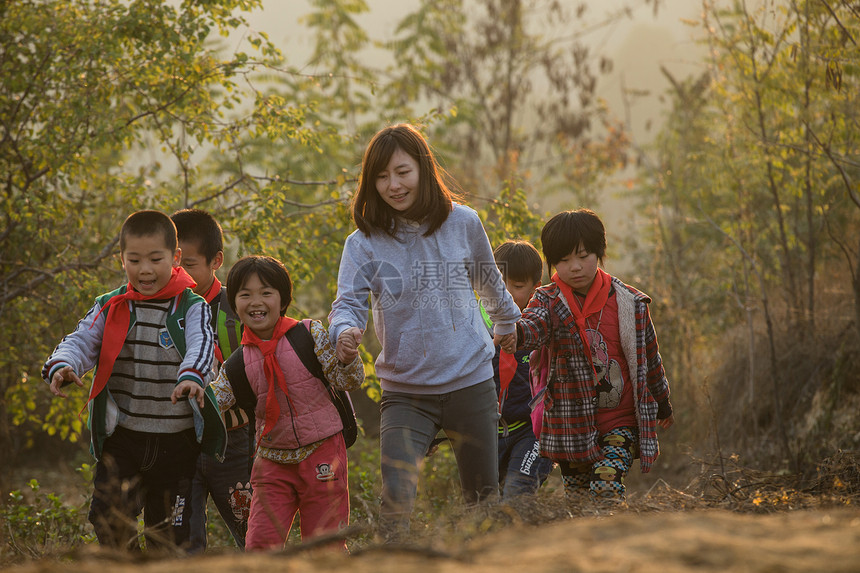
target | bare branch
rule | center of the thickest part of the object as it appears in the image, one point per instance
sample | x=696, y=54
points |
x=849, y=255
x=46, y=274
x=838, y=22
x=846, y=178
x=217, y=194
x=279, y=179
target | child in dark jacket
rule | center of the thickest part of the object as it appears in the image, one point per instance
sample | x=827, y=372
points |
x=202, y=244
x=607, y=390
x=521, y=468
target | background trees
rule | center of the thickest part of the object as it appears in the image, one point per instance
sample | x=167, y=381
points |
x=749, y=246
x=752, y=187
x=521, y=84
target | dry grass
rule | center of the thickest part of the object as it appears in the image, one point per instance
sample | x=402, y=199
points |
x=729, y=518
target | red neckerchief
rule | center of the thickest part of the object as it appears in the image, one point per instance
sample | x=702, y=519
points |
x=507, y=369
x=214, y=290
x=116, y=323
x=210, y=295
x=598, y=294
x=272, y=368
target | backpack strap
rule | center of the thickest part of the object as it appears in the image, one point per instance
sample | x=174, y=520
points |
x=302, y=342
x=226, y=324
x=234, y=367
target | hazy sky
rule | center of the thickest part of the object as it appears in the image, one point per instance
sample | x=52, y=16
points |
x=638, y=45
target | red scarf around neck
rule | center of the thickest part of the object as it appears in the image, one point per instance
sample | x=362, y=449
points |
x=274, y=374
x=595, y=300
x=214, y=290
x=116, y=323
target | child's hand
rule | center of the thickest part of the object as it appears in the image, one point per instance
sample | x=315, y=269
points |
x=193, y=389
x=64, y=374
x=508, y=342
x=667, y=422
x=347, y=345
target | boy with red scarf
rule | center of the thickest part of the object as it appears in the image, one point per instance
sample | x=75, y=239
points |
x=607, y=389
x=202, y=244
x=143, y=339
x=521, y=468
x=301, y=462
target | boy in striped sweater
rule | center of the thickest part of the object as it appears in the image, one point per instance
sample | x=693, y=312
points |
x=143, y=339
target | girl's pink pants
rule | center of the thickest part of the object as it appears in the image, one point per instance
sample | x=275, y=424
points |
x=316, y=488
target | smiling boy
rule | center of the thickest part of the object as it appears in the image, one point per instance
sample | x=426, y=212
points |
x=143, y=339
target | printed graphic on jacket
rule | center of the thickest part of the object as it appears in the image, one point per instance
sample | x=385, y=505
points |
x=610, y=380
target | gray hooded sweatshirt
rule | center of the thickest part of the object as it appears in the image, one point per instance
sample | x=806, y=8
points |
x=425, y=312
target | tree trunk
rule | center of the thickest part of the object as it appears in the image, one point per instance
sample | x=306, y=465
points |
x=856, y=282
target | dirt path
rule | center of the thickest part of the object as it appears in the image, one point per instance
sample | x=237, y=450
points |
x=701, y=540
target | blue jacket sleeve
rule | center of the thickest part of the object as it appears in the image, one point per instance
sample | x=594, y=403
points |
x=199, y=345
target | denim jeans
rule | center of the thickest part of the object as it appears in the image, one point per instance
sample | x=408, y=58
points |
x=409, y=423
x=521, y=468
x=149, y=471
x=229, y=485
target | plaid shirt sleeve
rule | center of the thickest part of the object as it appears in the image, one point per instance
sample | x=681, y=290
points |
x=534, y=326
x=655, y=374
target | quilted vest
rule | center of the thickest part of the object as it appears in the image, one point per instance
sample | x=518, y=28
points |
x=307, y=417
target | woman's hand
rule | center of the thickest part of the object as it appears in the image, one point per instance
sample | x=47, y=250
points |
x=508, y=342
x=347, y=344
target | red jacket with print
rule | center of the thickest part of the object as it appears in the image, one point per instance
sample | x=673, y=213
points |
x=570, y=404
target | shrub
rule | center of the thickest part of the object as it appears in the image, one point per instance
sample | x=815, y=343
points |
x=39, y=523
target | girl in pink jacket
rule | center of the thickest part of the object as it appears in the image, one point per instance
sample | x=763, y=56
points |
x=301, y=464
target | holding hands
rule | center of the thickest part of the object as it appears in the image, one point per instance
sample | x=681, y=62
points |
x=347, y=344
x=508, y=342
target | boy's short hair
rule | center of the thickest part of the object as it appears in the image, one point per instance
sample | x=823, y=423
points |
x=147, y=223
x=271, y=271
x=519, y=260
x=199, y=227
x=568, y=230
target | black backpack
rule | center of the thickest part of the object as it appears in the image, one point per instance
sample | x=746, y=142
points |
x=303, y=343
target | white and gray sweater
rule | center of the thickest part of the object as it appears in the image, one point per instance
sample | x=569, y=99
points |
x=422, y=293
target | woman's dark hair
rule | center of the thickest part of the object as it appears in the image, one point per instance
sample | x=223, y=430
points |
x=569, y=230
x=519, y=261
x=435, y=200
x=272, y=273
